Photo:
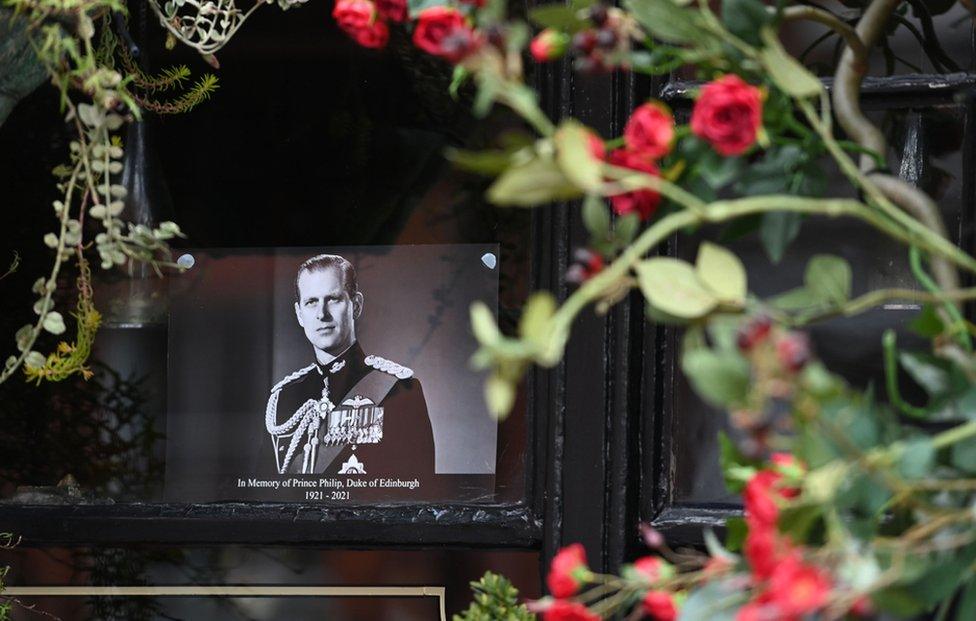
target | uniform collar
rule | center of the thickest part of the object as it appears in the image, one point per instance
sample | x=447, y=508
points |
x=352, y=358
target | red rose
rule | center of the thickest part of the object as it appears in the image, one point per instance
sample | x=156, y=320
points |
x=798, y=588
x=598, y=150
x=762, y=550
x=728, y=114
x=759, y=498
x=358, y=18
x=659, y=605
x=443, y=31
x=642, y=202
x=653, y=569
x=393, y=10
x=650, y=130
x=549, y=44
x=568, y=571
x=561, y=610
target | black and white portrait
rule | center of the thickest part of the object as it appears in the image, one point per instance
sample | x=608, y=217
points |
x=338, y=375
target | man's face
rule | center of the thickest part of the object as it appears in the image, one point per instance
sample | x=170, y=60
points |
x=325, y=310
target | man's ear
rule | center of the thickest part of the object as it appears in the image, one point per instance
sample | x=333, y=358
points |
x=357, y=304
x=298, y=315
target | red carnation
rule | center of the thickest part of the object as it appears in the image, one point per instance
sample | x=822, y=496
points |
x=728, y=114
x=653, y=569
x=798, y=588
x=650, y=130
x=549, y=44
x=642, y=202
x=561, y=610
x=568, y=571
x=358, y=18
x=443, y=31
x=393, y=10
x=659, y=605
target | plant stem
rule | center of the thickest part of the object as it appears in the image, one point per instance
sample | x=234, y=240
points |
x=830, y=20
x=880, y=296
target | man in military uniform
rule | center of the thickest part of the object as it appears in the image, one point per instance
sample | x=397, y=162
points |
x=346, y=413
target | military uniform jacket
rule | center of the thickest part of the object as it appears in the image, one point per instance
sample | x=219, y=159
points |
x=324, y=420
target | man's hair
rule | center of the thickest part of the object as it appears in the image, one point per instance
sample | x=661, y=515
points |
x=326, y=261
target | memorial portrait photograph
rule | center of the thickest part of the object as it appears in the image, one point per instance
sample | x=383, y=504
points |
x=329, y=374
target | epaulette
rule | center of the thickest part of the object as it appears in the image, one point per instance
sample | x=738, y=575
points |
x=292, y=377
x=388, y=366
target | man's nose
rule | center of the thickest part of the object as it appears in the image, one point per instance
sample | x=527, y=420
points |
x=323, y=312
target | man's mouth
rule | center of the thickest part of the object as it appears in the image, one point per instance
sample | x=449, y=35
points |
x=325, y=329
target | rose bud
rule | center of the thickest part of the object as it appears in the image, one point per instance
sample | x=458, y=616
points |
x=642, y=202
x=549, y=44
x=359, y=19
x=443, y=31
x=660, y=606
x=568, y=571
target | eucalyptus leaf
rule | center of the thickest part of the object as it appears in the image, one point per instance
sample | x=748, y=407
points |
x=721, y=272
x=777, y=232
x=536, y=182
x=575, y=159
x=54, y=322
x=536, y=316
x=483, y=324
x=499, y=395
x=829, y=277
x=786, y=73
x=596, y=217
x=558, y=16
x=667, y=21
x=745, y=19
x=673, y=286
x=720, y=379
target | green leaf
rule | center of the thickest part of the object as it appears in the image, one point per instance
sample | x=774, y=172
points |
x=536, y=182
x=785, y=72
x=735, y=533
x=777, y=232
x=963, y=456
x=54, y=323
x=558, y=16
x=536, y=316
x=672, y=286
x=718, y=600
x=499, y=395
x=483, y=324
x=927, y=323
x=916, y=458
x=721, y=379
x=929, y=372
x=722, y=272
x=574, y=157
x=829, y=277
x=733, y=462
x=800, y=298
x=966, y=608
x=745, y=19
x=625, y=229
x=718, y=171
x=596, y=217
x=667, y=21
x=492, y=162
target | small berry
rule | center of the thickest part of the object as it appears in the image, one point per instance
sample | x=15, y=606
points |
x=606, y=38
x=793, y=351
x=584, y=41
x=753, y=332
x=496, y=35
